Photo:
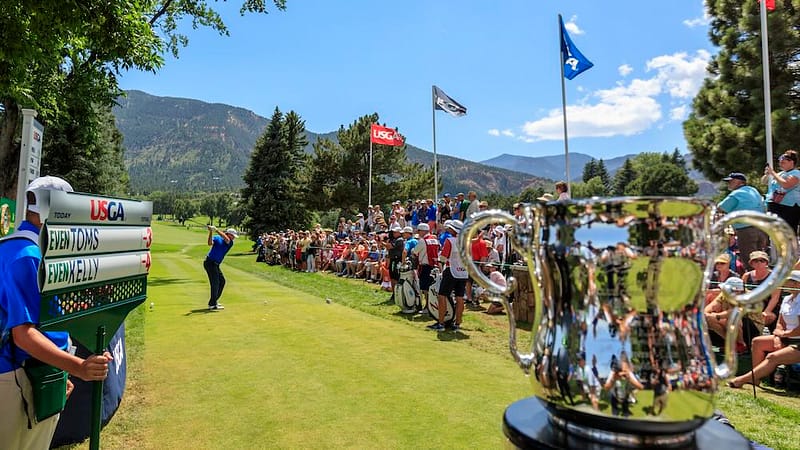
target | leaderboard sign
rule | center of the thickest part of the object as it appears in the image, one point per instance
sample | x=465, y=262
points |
x=95, y=256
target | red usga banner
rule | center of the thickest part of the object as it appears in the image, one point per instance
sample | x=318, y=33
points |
x=385, y=136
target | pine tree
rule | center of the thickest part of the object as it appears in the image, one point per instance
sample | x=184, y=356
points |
x=589, y=170
x=602, y=172
x=725, y=130
x=624, y=176
x=340, y=171
x=272, y=197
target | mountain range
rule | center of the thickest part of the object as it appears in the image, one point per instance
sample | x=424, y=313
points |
x=189, y=145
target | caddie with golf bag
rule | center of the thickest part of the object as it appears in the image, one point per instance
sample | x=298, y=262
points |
x=406, y=291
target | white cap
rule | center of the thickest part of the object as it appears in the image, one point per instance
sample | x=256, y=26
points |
x=396, y=227
x=423, y=227
x=232, y=232
x=41, y=184
x=456, y=225
x=794, y=275
x=408, y=229
x=736, y=284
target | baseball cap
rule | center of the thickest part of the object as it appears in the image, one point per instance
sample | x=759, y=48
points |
x=232, y=232
x=396, y=227
x=723, y=258
x=736, y=284
x=456, y=225
x=758, y=254
x=735, y=176
x=795, y=275
x=447, y=194
x=45, y=184
x=407, y=229
x=423, y=227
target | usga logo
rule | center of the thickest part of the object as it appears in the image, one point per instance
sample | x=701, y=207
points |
x=106, y=210
x=384, y=134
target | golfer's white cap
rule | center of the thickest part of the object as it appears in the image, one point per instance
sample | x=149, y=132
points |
x=41, y=184
x=232, y=232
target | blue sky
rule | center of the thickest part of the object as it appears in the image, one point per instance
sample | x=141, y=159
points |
x=333, y=62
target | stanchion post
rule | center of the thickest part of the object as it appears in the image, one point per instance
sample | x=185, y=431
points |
x=97, y=395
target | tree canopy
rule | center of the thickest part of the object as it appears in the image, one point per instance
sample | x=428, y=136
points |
x=725, y=129
x=61, y=57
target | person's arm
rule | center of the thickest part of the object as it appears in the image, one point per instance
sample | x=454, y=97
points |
x=785, y=181
x=33, y=342
x=769, y=313
x=610, y=381
x=633, y=380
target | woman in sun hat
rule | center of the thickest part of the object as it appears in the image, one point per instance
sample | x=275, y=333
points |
x=780, y=347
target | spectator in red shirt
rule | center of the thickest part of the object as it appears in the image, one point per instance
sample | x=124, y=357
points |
x=480, y=254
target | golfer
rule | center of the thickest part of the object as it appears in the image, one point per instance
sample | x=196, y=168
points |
x=220, y=245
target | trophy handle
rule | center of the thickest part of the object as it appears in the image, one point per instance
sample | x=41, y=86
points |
x=783, y=239
x=471, y=228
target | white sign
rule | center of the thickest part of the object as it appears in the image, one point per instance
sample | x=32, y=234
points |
x=63, y=273
x=86, y=209
x=30, y=158
x=75, y=240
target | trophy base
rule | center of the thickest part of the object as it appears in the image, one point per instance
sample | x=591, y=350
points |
x=528, y=424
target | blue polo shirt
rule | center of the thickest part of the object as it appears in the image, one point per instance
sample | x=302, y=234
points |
x=219, y=249
x=19, y=295
x=744, y=198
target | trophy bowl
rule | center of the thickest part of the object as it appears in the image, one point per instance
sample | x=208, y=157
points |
x=620, y=352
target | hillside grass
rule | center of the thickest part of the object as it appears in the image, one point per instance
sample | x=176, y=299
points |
x=281, y=367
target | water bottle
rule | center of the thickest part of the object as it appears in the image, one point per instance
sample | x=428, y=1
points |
x=765, y=331
x=780, y=376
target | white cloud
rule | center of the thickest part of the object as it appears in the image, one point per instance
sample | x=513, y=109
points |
x=494, y=132
x=704, y=20
x=678, y=113
x=624, y=70
x=508, y=133
x=572, y=27
x=630, y=107
x=681, y=74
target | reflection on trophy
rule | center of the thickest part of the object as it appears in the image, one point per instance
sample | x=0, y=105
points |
x=632, y=305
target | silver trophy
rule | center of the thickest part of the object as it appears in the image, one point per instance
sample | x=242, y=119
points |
x=620, y=352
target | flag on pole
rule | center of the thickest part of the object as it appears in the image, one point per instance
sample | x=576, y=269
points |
x=574, y=61
x=385, y=136
x=445, y=103
x=770, y=4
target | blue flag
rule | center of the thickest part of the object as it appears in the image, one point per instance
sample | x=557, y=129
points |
x=574, y=61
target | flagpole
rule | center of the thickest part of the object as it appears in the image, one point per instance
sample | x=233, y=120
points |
x=369, y=201
x=765, y=66
x=564, y=106
x=435, y=163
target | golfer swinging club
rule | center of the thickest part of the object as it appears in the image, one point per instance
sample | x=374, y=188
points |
x=220, y=245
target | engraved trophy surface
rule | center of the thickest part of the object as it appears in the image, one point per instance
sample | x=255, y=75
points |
x=620, y=350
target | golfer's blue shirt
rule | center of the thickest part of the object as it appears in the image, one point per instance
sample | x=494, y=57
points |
x=19, y=295
x=219, y=249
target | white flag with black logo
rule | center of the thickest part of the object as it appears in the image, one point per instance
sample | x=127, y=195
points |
x=445, y=103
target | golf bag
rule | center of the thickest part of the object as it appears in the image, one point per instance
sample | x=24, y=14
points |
x=406, y=291
x=433, y=300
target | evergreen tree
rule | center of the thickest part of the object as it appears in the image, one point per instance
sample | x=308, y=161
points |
x=602, y=172
x=624, y=176
x=725, y=130
x=678, y=160
x=340, y=171
x=273, y=194
x=589, y=170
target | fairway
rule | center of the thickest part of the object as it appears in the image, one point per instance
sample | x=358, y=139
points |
x=282, y=369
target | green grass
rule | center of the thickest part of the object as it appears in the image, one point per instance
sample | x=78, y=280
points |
x=283, y=368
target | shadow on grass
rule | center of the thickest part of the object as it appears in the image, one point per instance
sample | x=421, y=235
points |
x=201, y=311
x=450, y=335
x=164, y=281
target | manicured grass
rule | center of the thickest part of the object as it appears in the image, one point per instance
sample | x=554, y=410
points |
x=283, y=368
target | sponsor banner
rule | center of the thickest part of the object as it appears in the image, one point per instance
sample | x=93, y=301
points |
x=66, y=240
x=81, y=209
x=63, y=273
